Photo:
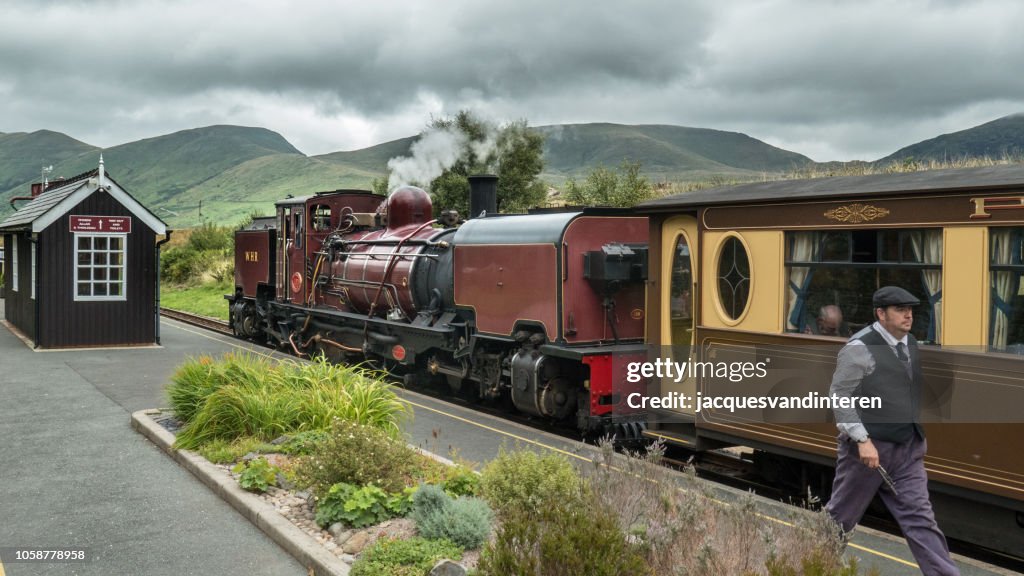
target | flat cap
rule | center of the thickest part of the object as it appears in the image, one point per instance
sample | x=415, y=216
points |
x=893, y=296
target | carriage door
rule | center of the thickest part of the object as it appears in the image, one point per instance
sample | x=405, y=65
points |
x=679, y=296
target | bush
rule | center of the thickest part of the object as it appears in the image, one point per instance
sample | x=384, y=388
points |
x=461, y=481
x=360, y=455
x=191, y=384
x=256, y=475
x=412, y=557
x=210, y=237
x=526, y=480
x=465, y=521
x=564, y=539
x=357, y=507
x=247, y=395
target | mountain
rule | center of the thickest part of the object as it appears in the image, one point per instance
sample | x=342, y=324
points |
x=995, y=139
x=22, y=156
x=154, y=170
x=666, y=152
x=373, y=159
x=223, y=173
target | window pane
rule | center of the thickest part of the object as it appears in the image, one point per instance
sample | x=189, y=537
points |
x=912, y=245
x=83, y=289
x=83, y=274
x=681, y=295
x=1006, y=313
x=889, y=240
x=835, y=247
x=115, y=289
x=99, y=289
x=733, y=278
x=115, y=273
x=99, y=274
x=99, y=258
x=116, y=258
x=115, y=243
x=84, y=242
x=84, y=258
x=99, y=243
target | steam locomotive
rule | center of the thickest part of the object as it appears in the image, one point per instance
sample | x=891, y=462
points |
x=537, y=309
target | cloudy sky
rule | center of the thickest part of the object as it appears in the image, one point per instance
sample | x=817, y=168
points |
x=834, y=80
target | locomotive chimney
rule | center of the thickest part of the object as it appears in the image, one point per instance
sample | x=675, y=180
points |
x=483, y=195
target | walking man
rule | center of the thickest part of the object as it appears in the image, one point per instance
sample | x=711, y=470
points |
x=882, y=450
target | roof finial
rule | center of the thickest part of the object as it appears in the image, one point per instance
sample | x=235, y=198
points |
x=101, y=173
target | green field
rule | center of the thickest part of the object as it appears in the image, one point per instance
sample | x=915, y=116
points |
x=205, y=299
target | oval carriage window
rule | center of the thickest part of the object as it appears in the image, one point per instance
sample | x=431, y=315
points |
x=733, y=277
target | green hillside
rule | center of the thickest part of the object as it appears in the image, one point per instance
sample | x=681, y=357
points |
x=995, y=139
x=255, y=185
x=223, y=173
x=373, y=159
x=667, y=152
x=22, y=156
x=156, y=170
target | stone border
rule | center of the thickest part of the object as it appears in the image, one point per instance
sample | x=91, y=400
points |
x=264, y=516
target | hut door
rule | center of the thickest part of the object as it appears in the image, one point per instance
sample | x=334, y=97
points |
x=679, y=296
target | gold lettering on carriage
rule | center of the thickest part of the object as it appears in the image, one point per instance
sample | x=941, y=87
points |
x=982, y=206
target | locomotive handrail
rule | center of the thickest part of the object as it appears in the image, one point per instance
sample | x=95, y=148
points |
x=389, y=255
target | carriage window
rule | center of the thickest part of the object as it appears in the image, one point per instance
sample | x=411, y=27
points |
x=733, y=277
x=681, y=295
x=1006, y=265
x=832, y=275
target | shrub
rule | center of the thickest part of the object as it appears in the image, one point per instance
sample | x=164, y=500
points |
x=412, y=557
x=357, y=507
x=564, y=539
x=247, y=395
x=461, y=481
x=191, y=383
x=526, y=480
x=465, y=521
x=256, y=475
x=359, y=455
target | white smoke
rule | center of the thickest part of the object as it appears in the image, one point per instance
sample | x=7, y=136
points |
x=436, y=151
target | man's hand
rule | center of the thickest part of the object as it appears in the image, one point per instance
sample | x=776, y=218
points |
x=868, y=454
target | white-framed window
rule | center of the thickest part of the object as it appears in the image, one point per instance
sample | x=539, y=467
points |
x=100, y=266
x=33, y=271
x=14, y=264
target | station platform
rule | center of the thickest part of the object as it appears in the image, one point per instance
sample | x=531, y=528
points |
x=78, y=475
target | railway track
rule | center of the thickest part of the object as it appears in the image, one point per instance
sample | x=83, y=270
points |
x=722, y=468
x=214, y=324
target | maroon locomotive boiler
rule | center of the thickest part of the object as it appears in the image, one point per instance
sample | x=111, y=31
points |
x=539, y=308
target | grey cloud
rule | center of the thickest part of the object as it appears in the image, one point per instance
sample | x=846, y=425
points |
x=834, y=80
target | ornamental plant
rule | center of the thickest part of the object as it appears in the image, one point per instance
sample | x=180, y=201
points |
x=256, y=475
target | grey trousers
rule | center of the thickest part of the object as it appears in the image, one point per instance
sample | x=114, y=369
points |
x=856, y=484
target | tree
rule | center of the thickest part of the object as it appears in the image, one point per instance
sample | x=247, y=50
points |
x=513, y=152
x=624, y=187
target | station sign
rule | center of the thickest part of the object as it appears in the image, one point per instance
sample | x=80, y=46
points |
x=101, y=224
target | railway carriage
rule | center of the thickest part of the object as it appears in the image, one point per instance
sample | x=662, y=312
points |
x=741, y=273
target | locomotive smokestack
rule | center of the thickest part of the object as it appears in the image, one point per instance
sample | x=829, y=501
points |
x=483, y=195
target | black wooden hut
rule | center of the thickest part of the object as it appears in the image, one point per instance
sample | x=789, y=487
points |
x=81, y=265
